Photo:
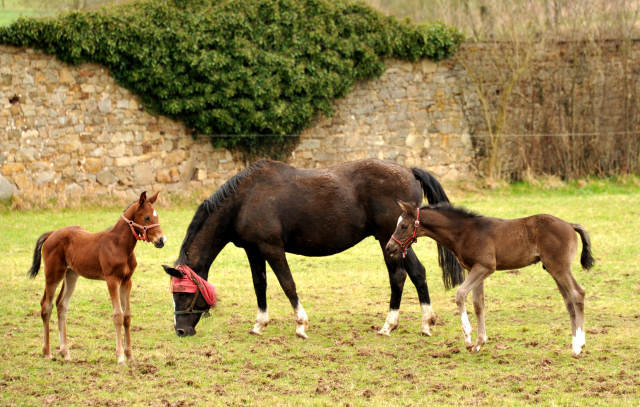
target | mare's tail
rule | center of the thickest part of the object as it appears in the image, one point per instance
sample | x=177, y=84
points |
x=452, y=272
x=586, y=259
x=37, y=256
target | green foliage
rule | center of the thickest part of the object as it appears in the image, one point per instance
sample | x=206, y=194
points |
x=236, y=69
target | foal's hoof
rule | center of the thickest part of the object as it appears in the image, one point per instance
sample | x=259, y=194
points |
x=302, y=335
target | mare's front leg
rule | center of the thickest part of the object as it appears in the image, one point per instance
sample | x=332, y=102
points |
x=397, y=277
x=113, y=284
x=259, y=276
x=278, y=262
x=476, y=276
x=62, y=304
x=418, y=277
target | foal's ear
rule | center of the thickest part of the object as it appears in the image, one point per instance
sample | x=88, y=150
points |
x=143, y=197
x=173, y=272
x=154, y=197
x=404, y=206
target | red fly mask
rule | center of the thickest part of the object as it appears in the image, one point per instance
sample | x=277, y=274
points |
x=193, y=283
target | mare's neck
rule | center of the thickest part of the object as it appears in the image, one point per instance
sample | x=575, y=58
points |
x=202, y=244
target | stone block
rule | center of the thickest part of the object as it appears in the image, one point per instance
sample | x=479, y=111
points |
x=12, y=168
x=6, y=189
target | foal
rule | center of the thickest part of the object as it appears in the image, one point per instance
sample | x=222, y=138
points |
x=483, y=245
x=72, y=251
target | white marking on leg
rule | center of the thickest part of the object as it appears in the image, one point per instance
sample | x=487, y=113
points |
x=391, y=323
x=427, y=317
x=466, y=326
x=262, y=320
x=582, y=340
x=302, y=321
x=577, y=342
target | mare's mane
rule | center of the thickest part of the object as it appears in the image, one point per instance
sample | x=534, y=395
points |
x=455, y=210
x=212, y=204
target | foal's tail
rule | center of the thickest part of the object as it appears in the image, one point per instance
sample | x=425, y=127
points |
x=37, y=255
x=452, y=271
x=586, y=259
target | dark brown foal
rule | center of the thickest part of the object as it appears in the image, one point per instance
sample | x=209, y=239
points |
x=484, y=245
x=71, y=251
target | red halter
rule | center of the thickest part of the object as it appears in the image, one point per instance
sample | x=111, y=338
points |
x=142, y=236
x=412, y=238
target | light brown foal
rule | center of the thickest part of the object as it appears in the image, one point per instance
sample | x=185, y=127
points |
x=71, y=251
x=484, y=245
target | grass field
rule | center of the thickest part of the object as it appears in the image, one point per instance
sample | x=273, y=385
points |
x=527, y=360
x=14, y=9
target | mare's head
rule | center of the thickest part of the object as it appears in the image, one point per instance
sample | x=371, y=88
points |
x=193, y=296
x=406, y=229
x=143, y=220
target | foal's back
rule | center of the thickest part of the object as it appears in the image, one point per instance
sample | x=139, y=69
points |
x=520, y=242
x=75, y=248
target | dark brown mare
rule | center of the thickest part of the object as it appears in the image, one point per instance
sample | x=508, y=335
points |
x=483, y=245
x=71, y=251
x=271, y=208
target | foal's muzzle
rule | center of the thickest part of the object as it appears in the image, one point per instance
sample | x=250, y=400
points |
x=160, y=242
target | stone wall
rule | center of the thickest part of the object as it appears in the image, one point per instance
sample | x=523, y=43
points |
x=71, y=130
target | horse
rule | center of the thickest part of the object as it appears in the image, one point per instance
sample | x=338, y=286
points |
x=484, y=245
x=71, y=251
x=272, y=208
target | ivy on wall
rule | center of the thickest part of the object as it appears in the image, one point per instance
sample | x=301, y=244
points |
x=248, y=72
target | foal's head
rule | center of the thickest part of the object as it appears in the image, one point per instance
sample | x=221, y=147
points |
x=143, y=219
x=406, y=229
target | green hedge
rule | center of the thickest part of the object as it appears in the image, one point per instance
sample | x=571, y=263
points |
x=238, y=70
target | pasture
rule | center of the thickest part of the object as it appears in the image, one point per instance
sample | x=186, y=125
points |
x=526, y=361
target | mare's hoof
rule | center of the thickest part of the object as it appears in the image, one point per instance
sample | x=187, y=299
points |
x=302, y=335
x=253, y=332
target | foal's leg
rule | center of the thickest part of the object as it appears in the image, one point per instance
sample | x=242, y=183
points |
x=259, y=275
x=418, y=277
x=478, y=306
x=62, y=304
x=54, y=273
x=476, y=276
x=573, y=295
x=397, y=277
x=278, y=262
x=125, y=295
x=113, y=284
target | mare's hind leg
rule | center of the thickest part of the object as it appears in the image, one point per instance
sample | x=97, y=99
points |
x=62, y=304
x=259, y=275
x=397, y=277
x=278, y=262
x=418, y=277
